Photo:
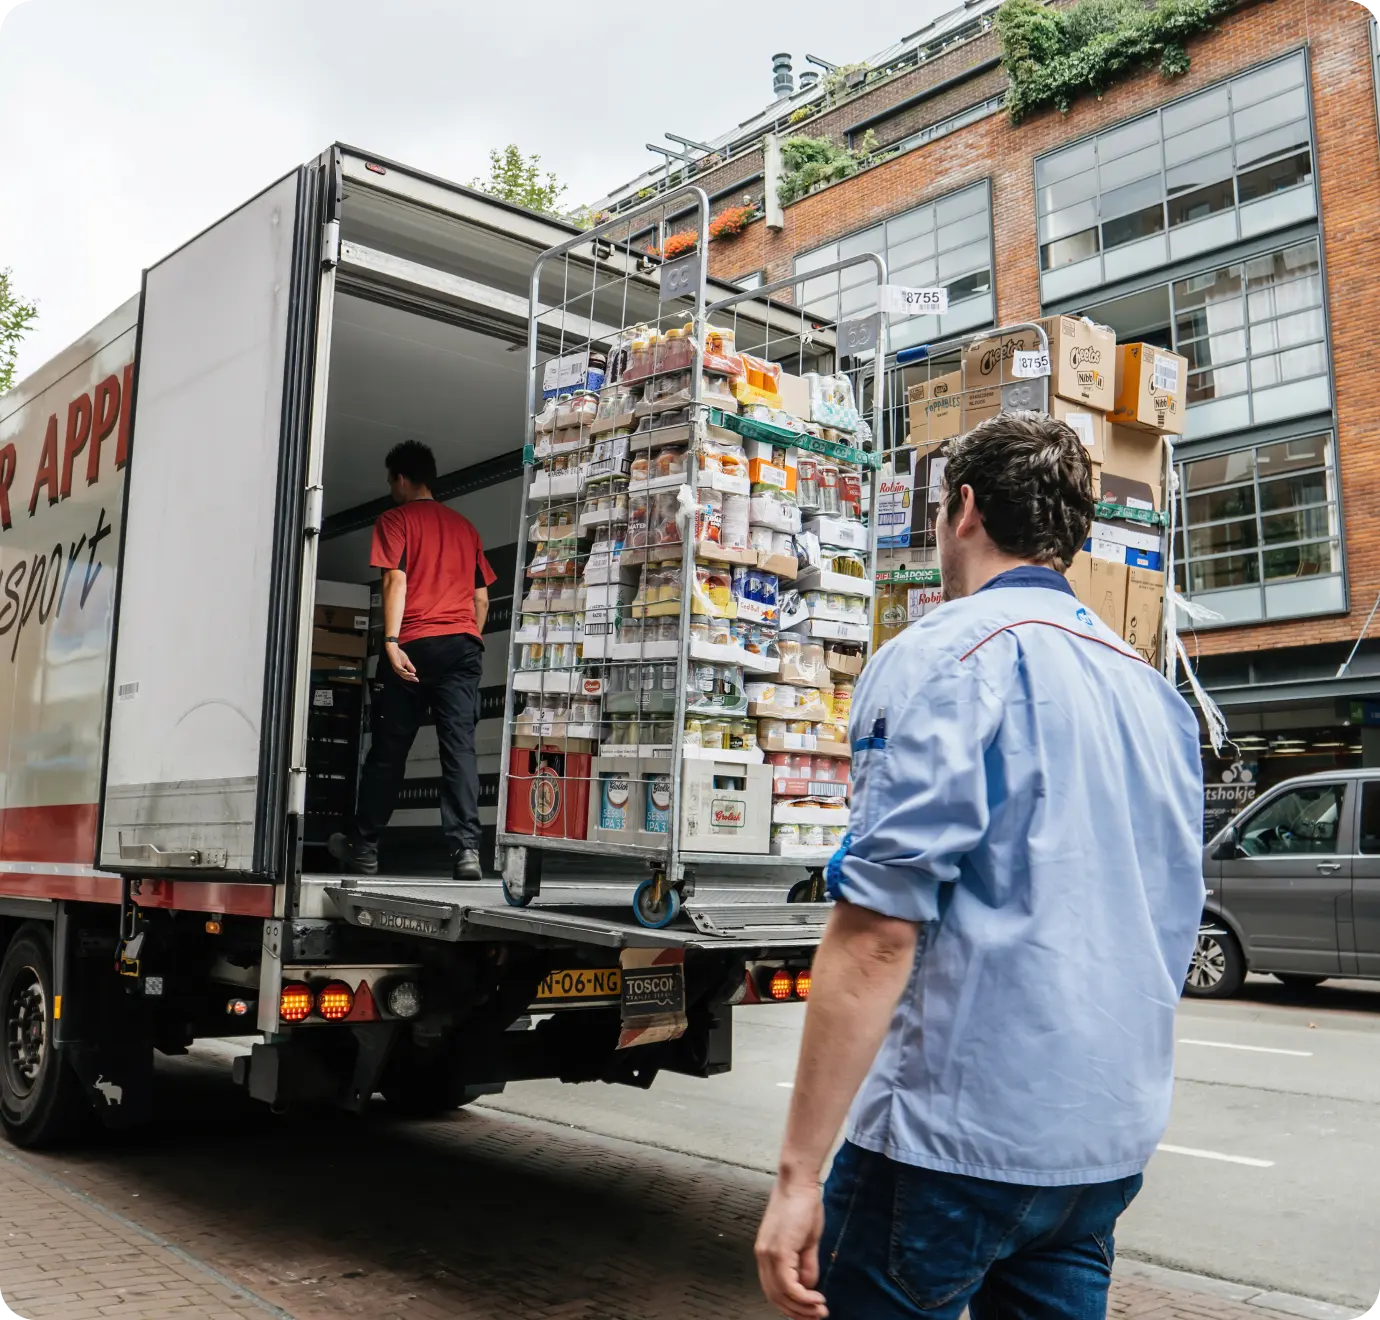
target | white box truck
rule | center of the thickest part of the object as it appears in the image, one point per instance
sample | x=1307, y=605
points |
x=173, y=487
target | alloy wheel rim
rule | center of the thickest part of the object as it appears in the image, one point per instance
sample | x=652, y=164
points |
x=26, y=1030
x=1209, y=963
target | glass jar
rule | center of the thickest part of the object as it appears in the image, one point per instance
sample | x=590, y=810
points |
x=807, y=482
x=785, y=836
x=829, y=503
x=714, y=735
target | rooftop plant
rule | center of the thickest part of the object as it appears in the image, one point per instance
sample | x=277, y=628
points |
x=1053, y=56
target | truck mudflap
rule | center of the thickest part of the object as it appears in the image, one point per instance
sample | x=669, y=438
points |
x=428, y=912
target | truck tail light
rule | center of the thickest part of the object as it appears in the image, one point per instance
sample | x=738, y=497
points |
x=404, y=999
x=782, y=984
x=335, y=1001
x=802, y=984
x=295, y=1002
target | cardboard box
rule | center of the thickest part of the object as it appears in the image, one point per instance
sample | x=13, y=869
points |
x=1144, y=613
x=1082, y=359
x=1133, y=468
x=988, y=361
x=843, y=662
x=1151, y=389
x=936, y=410
x=986, y=401
x=346, y=595
x=1109, y=592
x=1080, y=577
x=725, y=807
x=341, y=618
x=765, y=472
x=795, y=395
x=1089, y=425
x=324, y=642
x=630, y=801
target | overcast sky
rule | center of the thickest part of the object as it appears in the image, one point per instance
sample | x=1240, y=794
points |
x=129, y=125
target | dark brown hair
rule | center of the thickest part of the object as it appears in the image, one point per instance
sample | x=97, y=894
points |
x=413, y=460
x=1032, y=482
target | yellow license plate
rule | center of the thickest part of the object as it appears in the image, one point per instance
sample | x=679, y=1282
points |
x=582, y=983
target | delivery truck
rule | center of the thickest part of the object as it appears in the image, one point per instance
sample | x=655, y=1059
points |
x=186, y=497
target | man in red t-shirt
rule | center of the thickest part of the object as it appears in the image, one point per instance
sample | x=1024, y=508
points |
x=435, y=600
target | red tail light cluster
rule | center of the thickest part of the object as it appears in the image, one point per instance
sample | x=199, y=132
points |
x=335, y=1001
x=296, y=1002
x=779, y=985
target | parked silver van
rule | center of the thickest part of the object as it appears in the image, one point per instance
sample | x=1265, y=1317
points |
x=1293, y=887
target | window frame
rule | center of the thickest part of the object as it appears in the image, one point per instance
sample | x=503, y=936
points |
x=1341, y=785
x=932, y=205
x=1166, y=199
x=1184, y=559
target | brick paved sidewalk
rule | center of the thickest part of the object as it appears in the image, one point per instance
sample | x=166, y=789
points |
x=486, y=1216
x=62, y=1256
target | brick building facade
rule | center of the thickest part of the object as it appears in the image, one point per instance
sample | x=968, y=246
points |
x=1249, y=243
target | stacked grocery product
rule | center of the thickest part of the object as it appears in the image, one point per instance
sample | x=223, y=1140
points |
x=1122, y=400
x=666, y=440
x=340, y=646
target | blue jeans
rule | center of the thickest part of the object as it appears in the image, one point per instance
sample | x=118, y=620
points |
x=901, y=1242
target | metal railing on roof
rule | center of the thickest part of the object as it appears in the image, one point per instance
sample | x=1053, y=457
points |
x=910, y=52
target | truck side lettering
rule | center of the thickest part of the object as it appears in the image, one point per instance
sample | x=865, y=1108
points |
x=41, y=584
x=126, y=404
x=78, y=433
x=13, y=580
x=9, y=461
x=33, y=597
x=107, y=412
x=93, y=569
x=47, y=474
x=72, y=553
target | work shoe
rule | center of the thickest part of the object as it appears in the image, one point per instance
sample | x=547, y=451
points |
x=465, y=865
x=358, y=857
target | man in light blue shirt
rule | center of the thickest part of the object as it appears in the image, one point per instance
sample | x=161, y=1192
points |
x=1018, y=901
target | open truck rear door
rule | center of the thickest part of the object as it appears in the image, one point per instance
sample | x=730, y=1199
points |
x=216, y=502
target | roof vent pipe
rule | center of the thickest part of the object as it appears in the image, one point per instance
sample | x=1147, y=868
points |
x=782, y=84
x=808, y=79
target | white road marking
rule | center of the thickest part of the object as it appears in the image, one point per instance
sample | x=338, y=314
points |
x=1217, y=1155
x=790, y=1086
x=1254, y=1049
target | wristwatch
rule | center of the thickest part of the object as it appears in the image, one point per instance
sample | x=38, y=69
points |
x=393, y=640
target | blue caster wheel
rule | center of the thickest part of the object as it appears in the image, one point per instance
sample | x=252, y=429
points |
x=650, y=913
x=512, y=899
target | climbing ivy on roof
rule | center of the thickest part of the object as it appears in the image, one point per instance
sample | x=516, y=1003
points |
x=808, y=163
x=1053, y=56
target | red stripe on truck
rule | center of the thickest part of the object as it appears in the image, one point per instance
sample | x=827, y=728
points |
x=49, y=834
x=221, y=897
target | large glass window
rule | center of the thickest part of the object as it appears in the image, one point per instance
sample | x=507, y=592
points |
x=1223, y=165
x=1258, y=531
x=947, y=242
x=1253, y=333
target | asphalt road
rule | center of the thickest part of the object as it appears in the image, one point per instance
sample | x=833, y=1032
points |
x=1268, y=1171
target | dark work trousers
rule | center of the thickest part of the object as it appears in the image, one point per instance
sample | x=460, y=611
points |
x=448, y=670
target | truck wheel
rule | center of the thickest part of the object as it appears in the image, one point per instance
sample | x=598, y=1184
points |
x=1218, y=968
x=41, y=1099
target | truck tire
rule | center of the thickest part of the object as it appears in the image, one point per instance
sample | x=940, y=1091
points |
x=41, y=1100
